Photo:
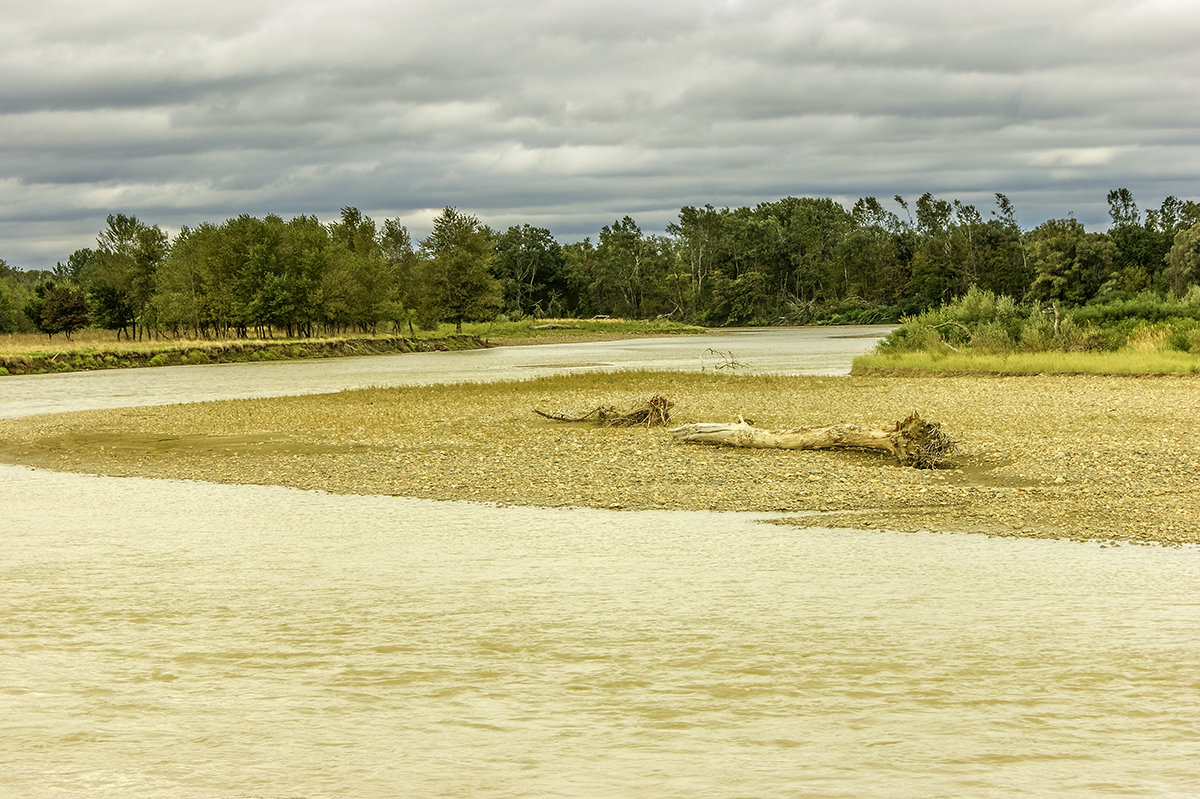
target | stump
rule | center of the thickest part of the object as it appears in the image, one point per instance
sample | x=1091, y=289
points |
x=914, y=441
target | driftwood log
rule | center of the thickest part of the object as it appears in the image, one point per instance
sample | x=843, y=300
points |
x=914, y=441
x=654, y=412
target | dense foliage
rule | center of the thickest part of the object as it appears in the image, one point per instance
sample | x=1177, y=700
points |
x=981, y=321
x=796, y=260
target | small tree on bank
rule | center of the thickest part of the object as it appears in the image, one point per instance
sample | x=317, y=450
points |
x=58, y=308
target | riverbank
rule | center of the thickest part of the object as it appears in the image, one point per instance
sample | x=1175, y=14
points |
x=228, y=351
x=1105, y=458
x=95, y=349
x=1133, y=362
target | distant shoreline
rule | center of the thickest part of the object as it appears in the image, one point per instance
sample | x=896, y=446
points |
x=230, y=351
x=1101, y=458
x=105, y=352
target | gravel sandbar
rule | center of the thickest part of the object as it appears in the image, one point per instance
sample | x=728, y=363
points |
x=1110, y=458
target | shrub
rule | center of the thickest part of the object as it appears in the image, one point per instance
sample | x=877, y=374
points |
x=1193, y=341
x=992, y=337
x=196, y=356
x=1072, y=337
x=1037, y=335
x=159, y=360
x=1149, y=338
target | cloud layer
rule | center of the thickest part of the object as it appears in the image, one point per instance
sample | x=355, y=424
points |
x=570, y=114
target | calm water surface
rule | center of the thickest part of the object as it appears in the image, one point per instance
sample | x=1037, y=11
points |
x=788, y=351
x=163, y=638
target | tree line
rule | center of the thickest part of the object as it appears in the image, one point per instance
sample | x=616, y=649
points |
x=795, y=260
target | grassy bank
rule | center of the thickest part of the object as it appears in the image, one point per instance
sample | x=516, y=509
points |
x=175, y=353
x=981, y=332
x=96, y=349
x=1053, y=456
x=1122, y=362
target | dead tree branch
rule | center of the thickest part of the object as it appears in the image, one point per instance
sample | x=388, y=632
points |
x=655, y=412
x=959, y=325
x=725, y=360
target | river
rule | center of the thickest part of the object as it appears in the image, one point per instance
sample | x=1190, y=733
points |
x=163, y=638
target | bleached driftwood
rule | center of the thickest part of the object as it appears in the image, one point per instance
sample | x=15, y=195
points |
x=913, y=441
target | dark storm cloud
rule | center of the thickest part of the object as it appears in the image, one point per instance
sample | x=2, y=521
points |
x=571, y=114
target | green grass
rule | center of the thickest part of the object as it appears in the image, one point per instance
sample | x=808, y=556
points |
x=1121, y=362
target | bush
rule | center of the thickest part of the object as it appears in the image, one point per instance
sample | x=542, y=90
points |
x=992, y=337
x=196, y=356
x=1149, y=338
x=158, y=360
x=1193, y=341
x=1037, y=335
x=1073, y=338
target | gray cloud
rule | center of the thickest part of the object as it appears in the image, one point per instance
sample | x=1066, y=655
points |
x=571, y=114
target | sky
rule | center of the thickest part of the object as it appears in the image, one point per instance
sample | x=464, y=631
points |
x=571, y=115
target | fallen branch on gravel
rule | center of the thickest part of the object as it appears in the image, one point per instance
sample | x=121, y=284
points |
x=913, y=441
x=655, y=412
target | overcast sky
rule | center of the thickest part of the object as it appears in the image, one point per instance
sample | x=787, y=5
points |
x=569, y=115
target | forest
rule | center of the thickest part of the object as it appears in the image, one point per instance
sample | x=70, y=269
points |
x=797, y=260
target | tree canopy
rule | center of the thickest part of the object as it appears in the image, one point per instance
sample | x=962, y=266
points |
x=793, y=260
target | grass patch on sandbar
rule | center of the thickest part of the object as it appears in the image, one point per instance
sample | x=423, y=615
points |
x=1121, y=362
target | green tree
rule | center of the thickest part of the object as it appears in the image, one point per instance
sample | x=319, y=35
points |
x=813, y=230
x=1183, y=261
x=579, y=262
x=697, y=237
x=456, y=270
x=120, y=275
x=1140, y=250
x=397, y=247
x=57, y=308
x=65, y=310
x=1004, y=267
x=948, y=257
x=616, y=284
x=872, y=256
x=1070, y=264
x=359, y=285
x=14, y=296
x=529, y=265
